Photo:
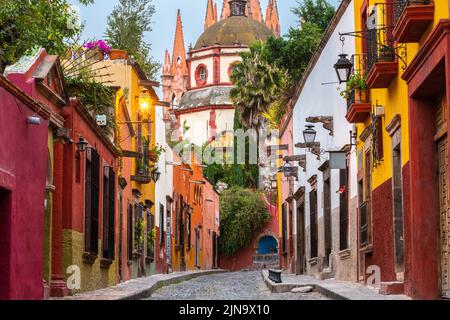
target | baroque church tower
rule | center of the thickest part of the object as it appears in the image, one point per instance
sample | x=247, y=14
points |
x=197, y=83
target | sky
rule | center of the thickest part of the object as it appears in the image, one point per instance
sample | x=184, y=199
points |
x=161, y=38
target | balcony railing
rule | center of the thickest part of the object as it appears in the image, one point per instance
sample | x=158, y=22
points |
x=400, y=5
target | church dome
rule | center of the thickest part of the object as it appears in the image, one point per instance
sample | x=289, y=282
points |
x=233, y=30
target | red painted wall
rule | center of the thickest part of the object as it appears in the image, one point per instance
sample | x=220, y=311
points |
x=382, y=228
x=23, y=168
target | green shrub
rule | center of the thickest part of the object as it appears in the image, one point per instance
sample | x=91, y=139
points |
x=243, y=213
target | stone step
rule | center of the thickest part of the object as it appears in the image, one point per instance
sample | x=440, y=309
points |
x=391, y=288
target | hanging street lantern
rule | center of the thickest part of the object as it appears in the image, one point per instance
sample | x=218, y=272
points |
x=273, y=184
x=287, y=169
x=343, y=68
x=309, y=134
x=156, y=175
x=145, y=104
x=81, y=145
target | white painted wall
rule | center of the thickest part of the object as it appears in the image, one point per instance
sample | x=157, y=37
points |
x=164, y=187
x=325, y=100
x=208, y=62
x=225, y=62
x=198, y=122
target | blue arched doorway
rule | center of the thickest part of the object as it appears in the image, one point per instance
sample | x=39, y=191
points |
x=267, y=245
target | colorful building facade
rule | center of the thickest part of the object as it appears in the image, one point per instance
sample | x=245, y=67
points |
x=318, y=204
x=40, y=76
x=402, y=145
x=195, y=219
x=23, y=170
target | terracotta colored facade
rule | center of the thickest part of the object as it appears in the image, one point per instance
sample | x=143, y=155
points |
x=89, y=215
x=195, y=219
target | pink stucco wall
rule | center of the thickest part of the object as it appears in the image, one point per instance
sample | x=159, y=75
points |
x=23, y=168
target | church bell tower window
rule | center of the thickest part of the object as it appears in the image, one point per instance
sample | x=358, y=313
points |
x=238, y=7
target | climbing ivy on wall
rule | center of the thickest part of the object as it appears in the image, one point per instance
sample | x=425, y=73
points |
x=243, y=213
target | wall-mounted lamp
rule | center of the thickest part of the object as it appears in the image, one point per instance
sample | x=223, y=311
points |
x=343, y=68
x=156, y=175
x=145, y=103
x=81, y=145
x=309, y=134
x=273, y=184
x=35, y=121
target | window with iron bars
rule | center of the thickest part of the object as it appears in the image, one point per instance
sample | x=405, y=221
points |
x=379, y=44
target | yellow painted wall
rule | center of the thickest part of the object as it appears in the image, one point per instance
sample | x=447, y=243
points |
x=394, y=98
x=92, y=276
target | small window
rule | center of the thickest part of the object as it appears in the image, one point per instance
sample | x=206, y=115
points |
x=201, y=75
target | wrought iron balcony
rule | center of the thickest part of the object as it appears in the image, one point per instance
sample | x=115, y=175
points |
x=400, y=6
x=412, y=19
x=382, y=65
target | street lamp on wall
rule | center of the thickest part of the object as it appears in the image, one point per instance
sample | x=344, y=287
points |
x=287, y=169
x=156, y=175
x=81, y=144
x=145, y=103
x=343, y=68
x=273, y=184
x=309, y=134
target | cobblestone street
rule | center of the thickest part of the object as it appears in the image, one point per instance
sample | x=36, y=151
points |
x=228, y=286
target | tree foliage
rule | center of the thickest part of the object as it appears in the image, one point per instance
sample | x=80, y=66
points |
x=95, y=96
x=128, y=23
x=25, y=24
x=256, y=85
x=288, y=55
x=243, y=213
x=318, y=12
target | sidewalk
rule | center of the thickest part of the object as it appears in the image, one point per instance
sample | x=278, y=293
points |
x=338, y=290
x=140, y=288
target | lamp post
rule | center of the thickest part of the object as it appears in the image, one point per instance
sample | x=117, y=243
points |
x=81, y=144
x=343, y=68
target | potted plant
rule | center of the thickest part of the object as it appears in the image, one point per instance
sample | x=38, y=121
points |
x=155, y=152
x=97, y=49
x=356, y=84
x=117, y=54
x=386, y=54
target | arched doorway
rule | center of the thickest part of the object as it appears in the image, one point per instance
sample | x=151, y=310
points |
x=266, y=251
x=267, y=245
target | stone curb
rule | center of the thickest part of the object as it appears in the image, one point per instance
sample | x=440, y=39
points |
x=140, y=288
x=286, y=287
x=146, y=293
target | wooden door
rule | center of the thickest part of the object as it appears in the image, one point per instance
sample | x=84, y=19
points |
x=300, y=262
x=444, y=216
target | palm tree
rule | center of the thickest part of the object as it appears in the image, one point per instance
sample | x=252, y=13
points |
x=257, y=85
